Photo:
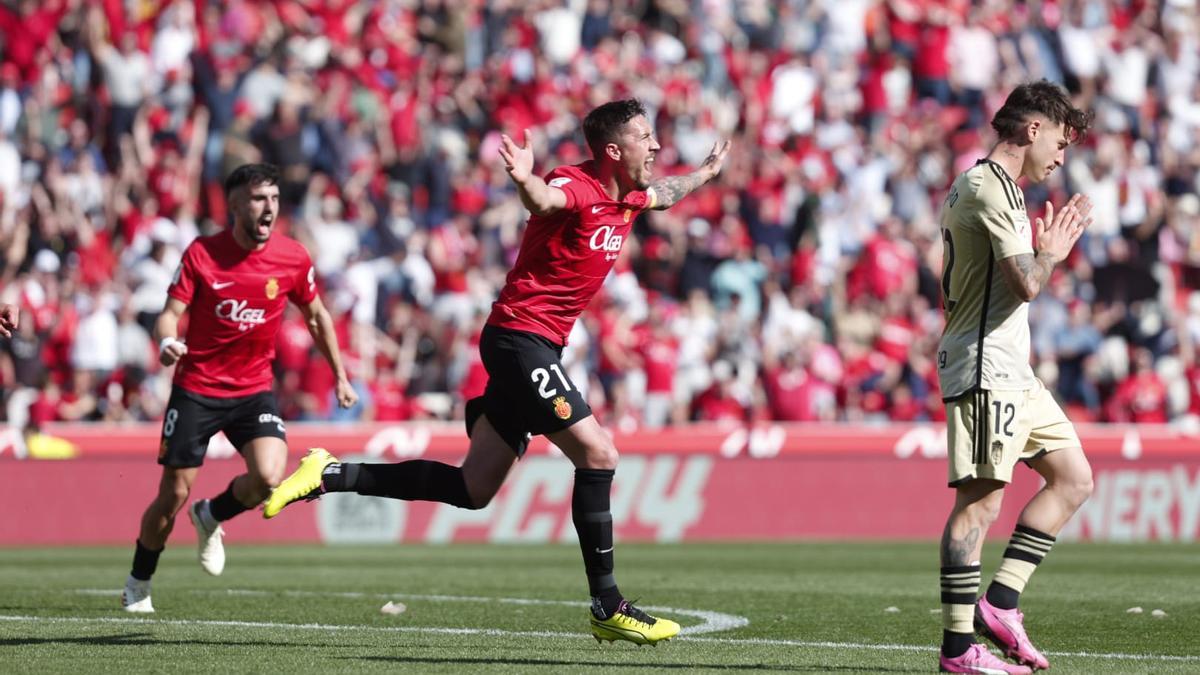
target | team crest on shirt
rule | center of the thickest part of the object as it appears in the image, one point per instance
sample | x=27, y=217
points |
x=562, y=408
x=272, y=288
x=628, y=214
x=997, y=452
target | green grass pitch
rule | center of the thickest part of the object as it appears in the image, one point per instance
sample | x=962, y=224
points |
x=769, y=607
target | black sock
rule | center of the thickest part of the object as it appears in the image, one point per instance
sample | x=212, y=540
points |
x=593, y=523
x=956, y=644
x=414, y=480
x=145, y=562
x=1002, y=597
x=225, y=506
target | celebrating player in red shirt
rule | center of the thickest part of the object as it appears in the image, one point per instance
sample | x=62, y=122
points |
x=581, y=218
x=235, y=286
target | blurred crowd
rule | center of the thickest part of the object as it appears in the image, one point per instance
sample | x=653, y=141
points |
x=802, y=285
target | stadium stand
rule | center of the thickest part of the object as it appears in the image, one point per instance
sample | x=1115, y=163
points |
x=801, y=286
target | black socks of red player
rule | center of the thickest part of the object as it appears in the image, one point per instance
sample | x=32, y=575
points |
x=593, y=523
x=145, y=562
x=414, y=480
x=225, y=506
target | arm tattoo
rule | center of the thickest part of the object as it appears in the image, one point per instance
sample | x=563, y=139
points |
x=1035, y=271
x=958, y=552
x=668, y=191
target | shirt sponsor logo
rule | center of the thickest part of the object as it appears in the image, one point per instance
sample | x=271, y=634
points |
x=606, y=239
x=559, y=182
x=238, y=311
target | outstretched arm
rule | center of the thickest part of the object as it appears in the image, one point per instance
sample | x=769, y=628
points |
x=539, y=198
x=666, y=192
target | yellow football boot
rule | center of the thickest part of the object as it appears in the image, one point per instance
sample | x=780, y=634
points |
x=304, y=483
x=632, y=624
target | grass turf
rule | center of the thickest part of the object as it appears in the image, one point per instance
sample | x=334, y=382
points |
x=811, y=607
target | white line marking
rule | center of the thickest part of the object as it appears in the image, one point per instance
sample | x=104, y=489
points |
x=550, y=634
x=711, y=622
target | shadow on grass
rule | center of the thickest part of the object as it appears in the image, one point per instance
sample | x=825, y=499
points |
x=132, y=639
x=801, y=668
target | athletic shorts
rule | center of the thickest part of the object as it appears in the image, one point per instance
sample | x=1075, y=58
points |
x=990, y=431
x=191, y=420
x=528, y=391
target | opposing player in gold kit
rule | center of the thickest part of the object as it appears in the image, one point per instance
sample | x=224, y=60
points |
x=998, y=412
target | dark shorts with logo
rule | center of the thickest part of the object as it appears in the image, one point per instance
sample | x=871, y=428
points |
x=191, y=420
x=528, y=392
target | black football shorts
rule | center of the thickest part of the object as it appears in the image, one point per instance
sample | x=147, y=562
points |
x=191, y=420
x=528, y=391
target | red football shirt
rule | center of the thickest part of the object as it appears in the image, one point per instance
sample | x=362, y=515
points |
x=565, y=256
x=236, y=300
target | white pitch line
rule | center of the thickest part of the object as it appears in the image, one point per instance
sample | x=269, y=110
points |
x=711, y=622
x=927, y=648
x=495, y=632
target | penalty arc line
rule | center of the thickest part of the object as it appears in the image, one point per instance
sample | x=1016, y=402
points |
x=495, y=632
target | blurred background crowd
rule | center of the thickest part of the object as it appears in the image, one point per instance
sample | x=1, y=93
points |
x=802, y=285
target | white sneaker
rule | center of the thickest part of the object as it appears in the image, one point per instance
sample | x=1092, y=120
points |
x=136, y=596
x=208, y=541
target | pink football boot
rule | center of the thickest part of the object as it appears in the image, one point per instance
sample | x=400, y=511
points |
x=1006, y=629
x=978, y=659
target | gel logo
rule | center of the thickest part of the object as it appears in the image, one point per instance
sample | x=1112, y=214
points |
x=268, y=418
x=606, y=239
x=237, y=311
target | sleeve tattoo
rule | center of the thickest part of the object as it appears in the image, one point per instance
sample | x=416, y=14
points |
x=1035, y=271
x=668, y=191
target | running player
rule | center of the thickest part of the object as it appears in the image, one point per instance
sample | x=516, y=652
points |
x=581, y=217
x=234, y=286
x=997, y=412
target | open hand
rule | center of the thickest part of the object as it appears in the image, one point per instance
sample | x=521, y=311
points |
x=518, y=159
x=716, y=158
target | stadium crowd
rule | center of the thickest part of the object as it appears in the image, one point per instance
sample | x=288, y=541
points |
x=802, y=285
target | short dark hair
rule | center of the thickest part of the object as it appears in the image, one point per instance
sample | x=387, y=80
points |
x=251, y=175
x=603, y=124
x=1045, y=98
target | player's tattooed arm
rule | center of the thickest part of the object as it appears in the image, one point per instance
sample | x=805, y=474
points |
x=666, y=192
x=1028, y=273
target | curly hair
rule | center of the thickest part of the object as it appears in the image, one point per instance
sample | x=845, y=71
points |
x=1045, y=98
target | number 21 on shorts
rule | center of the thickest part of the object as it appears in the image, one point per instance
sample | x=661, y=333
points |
x=543, y=379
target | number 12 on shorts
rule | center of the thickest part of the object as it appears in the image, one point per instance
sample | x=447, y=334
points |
x=542, y=377
x=1002, y=409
